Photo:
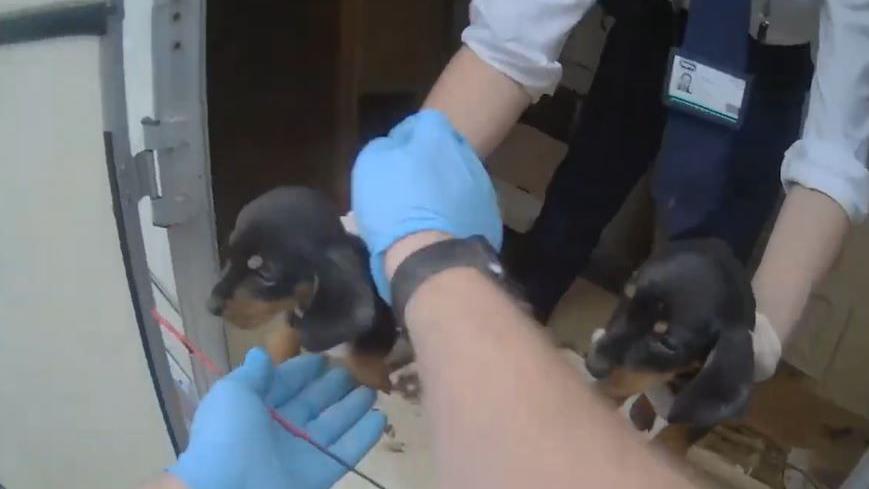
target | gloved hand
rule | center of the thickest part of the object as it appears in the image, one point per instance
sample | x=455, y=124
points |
x=422, y=177
x=235, y=444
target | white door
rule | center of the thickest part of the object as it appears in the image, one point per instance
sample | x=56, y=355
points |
x=86, y=399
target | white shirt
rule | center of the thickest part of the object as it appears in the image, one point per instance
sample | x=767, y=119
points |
x=523, y=40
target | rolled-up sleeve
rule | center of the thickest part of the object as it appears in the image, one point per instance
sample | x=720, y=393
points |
x=523, y=38
x=831, y=156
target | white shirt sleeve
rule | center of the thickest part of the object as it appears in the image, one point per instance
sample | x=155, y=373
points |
x=831, y=157
x=524, y=38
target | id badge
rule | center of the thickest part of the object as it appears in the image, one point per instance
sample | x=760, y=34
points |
x=705, y=91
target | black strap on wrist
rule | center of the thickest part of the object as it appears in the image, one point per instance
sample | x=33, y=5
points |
x=474, y=252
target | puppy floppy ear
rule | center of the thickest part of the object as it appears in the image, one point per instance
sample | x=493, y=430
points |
x=721, y=390
x=344, y=307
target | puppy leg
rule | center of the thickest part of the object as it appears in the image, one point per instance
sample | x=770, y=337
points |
x=369, y=370
x=676, y=439
x=283, y=343
x=642, y=414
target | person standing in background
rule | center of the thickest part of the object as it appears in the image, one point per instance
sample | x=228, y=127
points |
x=624, y=105
x=509, y=59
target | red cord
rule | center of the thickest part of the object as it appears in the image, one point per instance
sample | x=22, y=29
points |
x=196, y=352
x=282, y=421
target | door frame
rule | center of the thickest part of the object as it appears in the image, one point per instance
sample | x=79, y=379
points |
x=177, y=140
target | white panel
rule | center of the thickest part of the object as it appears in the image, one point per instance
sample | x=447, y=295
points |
x=138, y=71
x=78, y=405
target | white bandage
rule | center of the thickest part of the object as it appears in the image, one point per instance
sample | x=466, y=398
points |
x=767, y=348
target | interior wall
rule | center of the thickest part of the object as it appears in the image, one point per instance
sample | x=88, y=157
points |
x=271, y=72
x=296, y=88
x=78, y=405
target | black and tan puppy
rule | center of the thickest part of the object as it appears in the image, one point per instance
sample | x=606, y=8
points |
x=289, y=254
x=685, y=320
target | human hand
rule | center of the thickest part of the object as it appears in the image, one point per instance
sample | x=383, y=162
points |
x=422, y=177
x=234, y=442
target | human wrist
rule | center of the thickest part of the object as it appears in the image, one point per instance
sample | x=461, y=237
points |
x=406, y=246
x=782, y=302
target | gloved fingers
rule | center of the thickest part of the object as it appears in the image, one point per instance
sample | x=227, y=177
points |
x=342, y=416
x=255, y=373
x=293, y=375
x=376, y=146
x=404, y=130
x=350, y=448
x=767, y=348
x=318, y=395
x=357, y=441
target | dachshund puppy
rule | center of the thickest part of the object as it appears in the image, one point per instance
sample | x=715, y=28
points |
x=289, y=254
x=684, y=321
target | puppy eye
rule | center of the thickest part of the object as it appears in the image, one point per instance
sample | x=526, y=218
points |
x=664, y=345
x=264, y=273
x=266, y=277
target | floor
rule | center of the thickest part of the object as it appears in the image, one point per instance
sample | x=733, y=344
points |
x=403, y=457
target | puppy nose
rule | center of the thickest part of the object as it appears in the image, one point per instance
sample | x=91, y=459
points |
x=215, y=305
x=597, y=366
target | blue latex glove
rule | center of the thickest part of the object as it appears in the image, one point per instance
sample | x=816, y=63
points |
x=422, y=177
x=235, y=444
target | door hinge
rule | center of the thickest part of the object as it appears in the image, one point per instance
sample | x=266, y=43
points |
x=164, y=184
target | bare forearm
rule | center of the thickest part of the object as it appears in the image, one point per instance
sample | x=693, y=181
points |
x=481, y=102
x=804, y=244
x=542, y=428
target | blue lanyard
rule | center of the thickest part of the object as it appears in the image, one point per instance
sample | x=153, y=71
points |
x=692, y=168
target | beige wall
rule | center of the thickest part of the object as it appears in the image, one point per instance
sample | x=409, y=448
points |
x=77, y=406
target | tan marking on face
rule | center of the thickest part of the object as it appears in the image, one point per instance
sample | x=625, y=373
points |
x=630, y=290
x=622, y=383
x=661, y=327
x=304, y=293
x=247, y=312
x=283, y=343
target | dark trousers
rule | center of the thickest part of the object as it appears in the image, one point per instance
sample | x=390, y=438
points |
x=619, y=136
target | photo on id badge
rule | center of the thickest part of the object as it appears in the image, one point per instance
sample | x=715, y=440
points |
x=685, y=83
x=685, y=78
x=705, y=91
